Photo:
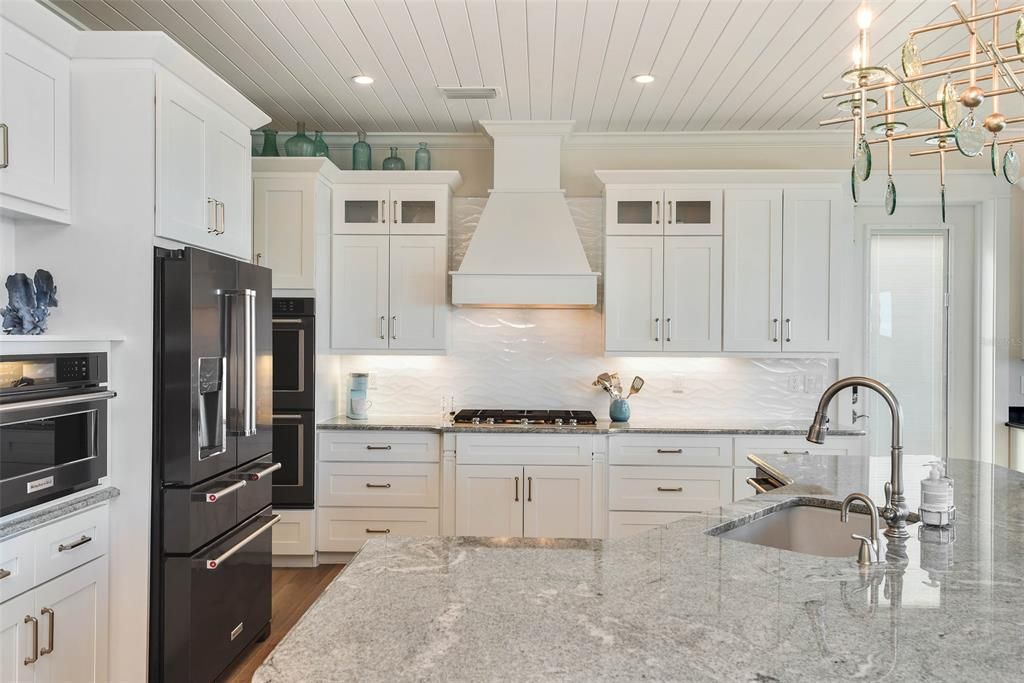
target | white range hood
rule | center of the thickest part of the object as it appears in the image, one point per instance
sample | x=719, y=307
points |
x=526, y=251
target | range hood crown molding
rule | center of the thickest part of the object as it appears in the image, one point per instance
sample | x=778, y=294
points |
x=526, y=251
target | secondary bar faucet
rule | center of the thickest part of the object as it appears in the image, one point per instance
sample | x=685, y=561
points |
x=870, y=552
x=895, y=513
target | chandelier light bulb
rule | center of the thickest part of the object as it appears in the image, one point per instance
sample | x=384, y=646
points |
x=864, y=18
x=855, y=55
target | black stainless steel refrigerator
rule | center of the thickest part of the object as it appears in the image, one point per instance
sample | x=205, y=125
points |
x=213, y=439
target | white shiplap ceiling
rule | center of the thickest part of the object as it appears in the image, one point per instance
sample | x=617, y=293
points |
x=718, y=64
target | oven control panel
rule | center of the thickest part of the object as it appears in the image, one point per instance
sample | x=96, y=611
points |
x=26, y=373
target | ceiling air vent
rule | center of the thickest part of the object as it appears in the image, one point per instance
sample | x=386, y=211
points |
x=458, y=92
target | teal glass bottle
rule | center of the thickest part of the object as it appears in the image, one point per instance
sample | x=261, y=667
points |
x=299, y=145
x=361, y=154
x=423, y=158
x=394, y=162
x=269, y=143
x=319, y=145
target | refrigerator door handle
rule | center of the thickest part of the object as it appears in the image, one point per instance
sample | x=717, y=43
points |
x=240, y=343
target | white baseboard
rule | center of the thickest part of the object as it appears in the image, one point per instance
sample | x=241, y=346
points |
x=295, y=561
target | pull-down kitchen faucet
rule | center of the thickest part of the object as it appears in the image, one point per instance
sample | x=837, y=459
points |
x=895, y=512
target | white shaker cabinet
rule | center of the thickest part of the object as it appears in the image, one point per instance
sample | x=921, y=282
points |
x=203, y=172
x=811, y=271
x=359, y=292
x=35, y=127
x=558, y=502
x=16, y=629
x=395, y=209
x=634, y=273
x=418, y=272
x=752, y=293
x=489, y=500
x=693, y=294
x=656, y=211
x=291, y=204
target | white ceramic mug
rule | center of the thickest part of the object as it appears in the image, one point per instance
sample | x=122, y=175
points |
x=360, y=406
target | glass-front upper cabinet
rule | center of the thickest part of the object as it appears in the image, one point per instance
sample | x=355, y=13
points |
x=635, y=212
x=394, y=210
x=693, y=212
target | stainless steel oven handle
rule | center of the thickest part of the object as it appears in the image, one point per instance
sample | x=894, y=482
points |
x=283, y=416
x=216, y=562
x=214, y=496
x=256, y=476
x=59, y=401
x=288, y=321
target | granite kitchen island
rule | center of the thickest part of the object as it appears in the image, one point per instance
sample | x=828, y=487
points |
x=677, y=603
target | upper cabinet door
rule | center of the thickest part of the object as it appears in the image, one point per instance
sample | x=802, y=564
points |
x=752, y=295
x=361, y=210
x=184, y=121
x=489, y=500
x=229, y=183
x=419, y=210
x=633, y=294
x=359, y=292
x=35, y=126
x=693, y=212
x=693, y=294
x=810, y=271
x=634, y=212
x=558, y=502
x=418, y=275
x=283, y=229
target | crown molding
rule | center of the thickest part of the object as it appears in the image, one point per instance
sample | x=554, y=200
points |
x=788, y=139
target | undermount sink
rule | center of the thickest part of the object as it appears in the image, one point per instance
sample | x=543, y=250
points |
x=802, y=528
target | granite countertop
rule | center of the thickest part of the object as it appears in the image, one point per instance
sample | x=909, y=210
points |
x=662, y=426
x=19, y=522
x=676, y=603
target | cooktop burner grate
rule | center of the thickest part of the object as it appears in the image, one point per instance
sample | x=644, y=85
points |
x=528, y=417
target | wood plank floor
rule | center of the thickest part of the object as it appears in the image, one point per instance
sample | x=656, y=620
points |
x=294, y=590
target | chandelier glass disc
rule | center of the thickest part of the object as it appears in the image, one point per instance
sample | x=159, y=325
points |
x=970, y=136
x=890, y=197
x=862, y=160
x=854, y=185
x=994, y=157
x=912, y=67
x=1018, y=34
x=949, y=103
x=1011, y=166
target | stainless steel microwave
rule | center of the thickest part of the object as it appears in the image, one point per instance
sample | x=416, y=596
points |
x=53, y=426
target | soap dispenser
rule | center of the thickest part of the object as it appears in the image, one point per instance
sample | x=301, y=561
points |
x=937, y=507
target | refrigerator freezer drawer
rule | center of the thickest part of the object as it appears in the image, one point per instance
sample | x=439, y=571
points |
x=196, y=515
x=213, y=612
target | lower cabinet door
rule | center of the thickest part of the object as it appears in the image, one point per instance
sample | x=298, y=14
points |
x=622, y=524
x=344, y=530
x=489, y=500
x=72, y=613
x=558, y=502
x=16, y=639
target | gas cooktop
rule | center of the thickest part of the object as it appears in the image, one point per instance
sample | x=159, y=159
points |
x=568, y=418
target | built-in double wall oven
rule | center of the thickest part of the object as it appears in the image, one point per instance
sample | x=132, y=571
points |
x=294, y=401
x=53, y=426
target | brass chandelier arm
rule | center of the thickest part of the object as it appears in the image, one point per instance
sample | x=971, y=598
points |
x=914, y=107
x=960, y=55
x=957, y=22
x=991, y=50
x=924, y=152
x=932, y=133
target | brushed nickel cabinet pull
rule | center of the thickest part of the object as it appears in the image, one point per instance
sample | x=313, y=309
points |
x=529, y=489
x=6, y=151
x=516, y=499
x=378, y=531
x=4, y=573
x=665, y=489
x=657, y=329
x=668, y=329
x=383, y=216
x=796, y=452
x=380, y=328
x=394, y=215
x=221, y=219
x=789, y=329
x=211, y=219
x=394, y=327
x=670, y=450
x=35, y=639
x=377, y=486
x=371, y=447
x=775, y=329
x=258, y=257
x=74, y=544
x=671, y=206
x=51, y=619
x=657, y=207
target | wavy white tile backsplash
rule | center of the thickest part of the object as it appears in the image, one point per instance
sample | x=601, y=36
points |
x=540, y=358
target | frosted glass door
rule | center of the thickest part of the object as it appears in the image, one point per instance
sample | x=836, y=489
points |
x=908, y=337
x=419, y=211
x=360, y=210
x=693, y=212
x=635, y=212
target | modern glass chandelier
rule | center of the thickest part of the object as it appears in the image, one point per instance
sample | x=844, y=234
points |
x=961, y=125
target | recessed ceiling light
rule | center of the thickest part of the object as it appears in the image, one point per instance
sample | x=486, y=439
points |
x=643, y=78
x=362, y=80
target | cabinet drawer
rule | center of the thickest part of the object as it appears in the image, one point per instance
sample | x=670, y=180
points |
x=622, y=524
x=669, y=489
x=344, y=530
x=71, y=542
x=294, y=534
x=795, y=445
x=670, y=449
x=17, y=565
x=378, y=484
x=524, y=449
x=382, y=446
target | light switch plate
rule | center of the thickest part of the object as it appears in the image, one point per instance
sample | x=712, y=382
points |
x=813, y=384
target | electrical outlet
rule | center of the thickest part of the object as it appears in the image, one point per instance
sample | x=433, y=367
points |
x=813, y=384
x=795, y=382
x=371, y=382
x=678, y=384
